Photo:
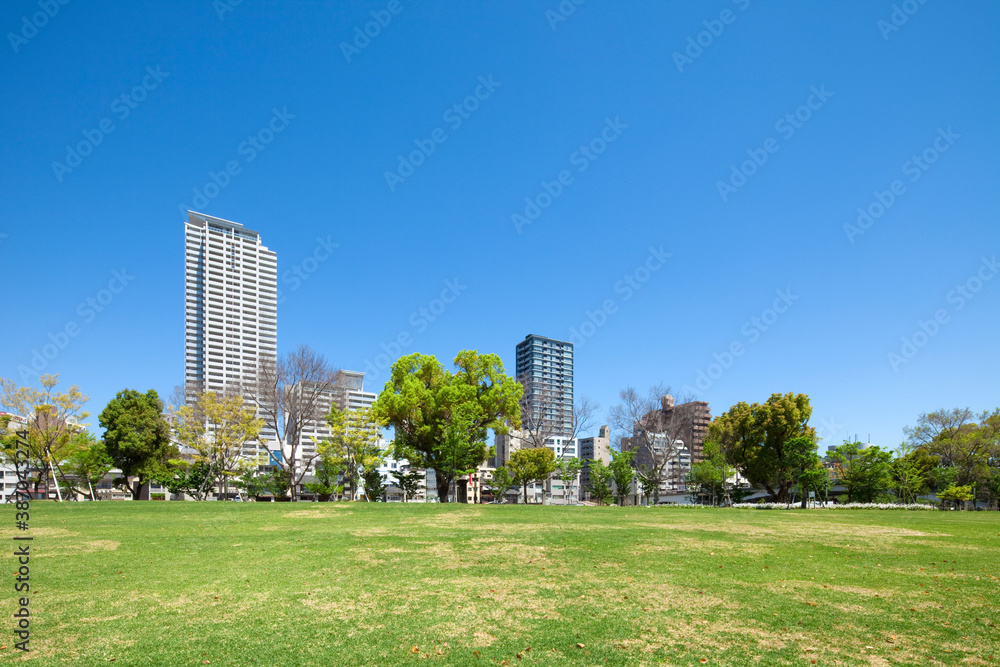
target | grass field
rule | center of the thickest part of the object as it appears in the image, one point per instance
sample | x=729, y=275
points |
x=372, y=584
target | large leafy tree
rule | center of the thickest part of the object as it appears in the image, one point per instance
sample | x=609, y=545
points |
x=194, y=479
x=866, y=472
x=530, y=466
x=137, y=436
x=440, y=418
x=53, y=417
x=756, y=436
x=326, y=481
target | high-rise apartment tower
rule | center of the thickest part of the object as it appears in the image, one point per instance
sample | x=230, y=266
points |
x=230, y=303
x=545, y=368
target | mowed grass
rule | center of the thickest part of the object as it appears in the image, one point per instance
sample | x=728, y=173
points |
x=372, y=584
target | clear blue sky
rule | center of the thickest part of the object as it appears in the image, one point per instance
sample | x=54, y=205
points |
x=672, y=131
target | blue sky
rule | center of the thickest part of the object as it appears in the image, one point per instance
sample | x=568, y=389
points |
x=819, y=108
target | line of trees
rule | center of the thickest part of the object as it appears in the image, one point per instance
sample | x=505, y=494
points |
x=208, y=441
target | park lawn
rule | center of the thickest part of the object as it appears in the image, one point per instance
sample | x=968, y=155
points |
x=339, y=584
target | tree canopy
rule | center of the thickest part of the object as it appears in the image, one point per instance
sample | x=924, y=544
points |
x=137, y=436
x=441, y=419
x=756, y=438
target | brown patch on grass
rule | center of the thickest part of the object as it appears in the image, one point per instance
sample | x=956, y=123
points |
x=318, y=513
x=77, y=549
x=482, y=639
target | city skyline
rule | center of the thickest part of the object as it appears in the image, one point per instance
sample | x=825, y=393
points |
x=780, y=199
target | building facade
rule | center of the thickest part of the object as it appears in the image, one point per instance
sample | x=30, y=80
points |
x=544, y=366
x=230, y=303
x=594, y=448
x=687, y=422
x=560, y=492
x=348, y=393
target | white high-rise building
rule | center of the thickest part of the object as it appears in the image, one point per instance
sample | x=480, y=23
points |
x=230, y=303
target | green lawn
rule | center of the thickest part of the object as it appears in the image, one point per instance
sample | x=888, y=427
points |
x=348, y=584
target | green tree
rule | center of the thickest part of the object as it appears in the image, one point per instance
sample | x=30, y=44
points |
x=847, y=466
x=957, y=494
x=600, y=482
x=375, y=487
x=568, y=471
x=194, y=479
x=86, y=463
x=408, y=482
x=325, y=484
x=530, y=466
x=354, y=444
x=755, y=437
x=912, y=471
x=137, y=436
x=710, y=476
x=968, y=444
x=251, y=481
x=622, y=474
x=53, y=417
x=441, y=419
x=500, y=483
x=800, y=453
x=219, y=429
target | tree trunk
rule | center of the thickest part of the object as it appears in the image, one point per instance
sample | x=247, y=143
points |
x=443, y=484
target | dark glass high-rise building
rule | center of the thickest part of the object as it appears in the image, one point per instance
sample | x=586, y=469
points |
x=545, y=368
